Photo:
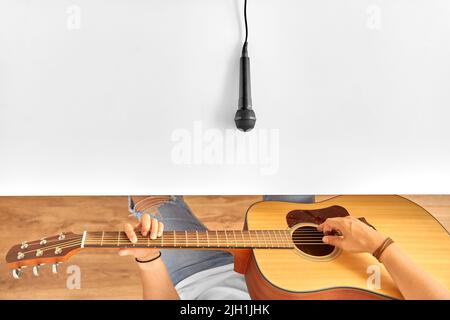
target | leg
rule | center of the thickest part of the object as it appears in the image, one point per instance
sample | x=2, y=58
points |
x=291, y=198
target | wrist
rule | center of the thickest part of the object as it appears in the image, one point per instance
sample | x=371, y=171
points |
x=375, y=242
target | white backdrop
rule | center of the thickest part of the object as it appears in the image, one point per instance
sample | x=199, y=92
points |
x=138, y=96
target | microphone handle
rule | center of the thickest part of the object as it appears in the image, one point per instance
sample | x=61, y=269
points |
x=245, y=91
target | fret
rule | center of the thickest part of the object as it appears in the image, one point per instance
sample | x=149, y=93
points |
x=103, y=235
x=118, y=238
x=272, y=241
x=249, y=237
x=243, y=239
x=226, y=239
x=207, y=238
x=277, y=241
x=186, y=236
x=280, y=237
x=264, y=232
x=162, y=241
x=267, y=240
x=287, y=236
x=281, y=243
x=174, y=239
x=217, y=237
x=196, y=235
x=235, y=242
x=271, y=244
x=258, y=240
x=274, y=236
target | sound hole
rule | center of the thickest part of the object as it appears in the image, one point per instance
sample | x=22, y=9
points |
x=309, y=240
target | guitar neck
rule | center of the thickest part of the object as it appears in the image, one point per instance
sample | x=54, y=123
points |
x=262, y=239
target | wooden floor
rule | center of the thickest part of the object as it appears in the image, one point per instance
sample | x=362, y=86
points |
x=105, y=275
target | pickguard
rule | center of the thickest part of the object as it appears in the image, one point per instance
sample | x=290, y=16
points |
x=318, y=216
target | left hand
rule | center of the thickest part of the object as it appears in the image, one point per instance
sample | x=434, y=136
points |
x=145, y=226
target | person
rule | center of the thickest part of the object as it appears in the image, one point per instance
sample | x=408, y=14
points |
x=198, y=274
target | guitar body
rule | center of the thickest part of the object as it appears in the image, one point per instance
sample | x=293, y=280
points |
x=294, y=274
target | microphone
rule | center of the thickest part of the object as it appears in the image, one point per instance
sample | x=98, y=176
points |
x=245, y=117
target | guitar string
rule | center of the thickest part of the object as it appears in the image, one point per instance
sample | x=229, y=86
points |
x=271, y=240
x=194, y=243
x=193, y=247
x=194, y=236
x=35, y=242
x=204, y=239
x=212, y=231
x=196, y=239
x=45, y=248
x=261, y=244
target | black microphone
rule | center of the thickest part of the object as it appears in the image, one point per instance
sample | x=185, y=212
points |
x=245, y=117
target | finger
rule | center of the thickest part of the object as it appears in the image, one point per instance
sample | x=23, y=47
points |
x=325, y=228
x=145, y=224
x=333, y=240
x=160, y=229
x=129, y=231
x=333, y=224
x=154, y=229
x=125, y=252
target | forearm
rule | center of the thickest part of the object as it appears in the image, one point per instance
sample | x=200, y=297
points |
x=412, y=281
x=156, y=282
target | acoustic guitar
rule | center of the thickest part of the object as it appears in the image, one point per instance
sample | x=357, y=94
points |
x=280, y=251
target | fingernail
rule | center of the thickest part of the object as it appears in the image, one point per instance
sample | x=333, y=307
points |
x=134, y=240
x=153, y=236
x=325, y=239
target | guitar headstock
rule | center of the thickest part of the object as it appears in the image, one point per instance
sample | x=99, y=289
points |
x=50, y=250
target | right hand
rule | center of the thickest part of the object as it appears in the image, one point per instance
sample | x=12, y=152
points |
x=355, y=235
x=146, y=225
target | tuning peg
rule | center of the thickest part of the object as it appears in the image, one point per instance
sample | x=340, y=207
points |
x=55, y=267
x=36, y=270
x=16, y=273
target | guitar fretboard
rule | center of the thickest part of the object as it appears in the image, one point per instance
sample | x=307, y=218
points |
x=268, y=239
